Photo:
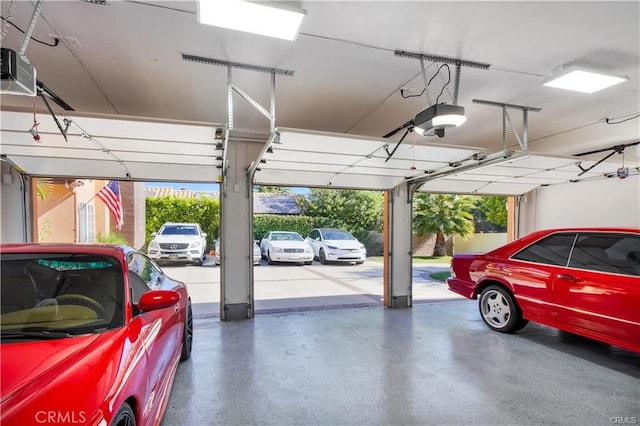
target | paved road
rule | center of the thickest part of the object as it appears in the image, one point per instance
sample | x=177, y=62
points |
x=292, y=287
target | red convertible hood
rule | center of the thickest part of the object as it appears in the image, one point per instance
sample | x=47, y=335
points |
x=23, y=363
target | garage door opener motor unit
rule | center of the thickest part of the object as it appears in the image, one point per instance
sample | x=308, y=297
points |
x=18, y=75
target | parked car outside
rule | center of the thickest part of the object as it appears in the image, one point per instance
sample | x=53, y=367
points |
x=257, y=255
x=86, y=329
x=178, y=242
x=581, y=280
x=336, y=245
x=285, y=246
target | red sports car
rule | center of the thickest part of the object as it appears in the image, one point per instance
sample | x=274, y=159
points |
x=91, y=335
x=584, y=281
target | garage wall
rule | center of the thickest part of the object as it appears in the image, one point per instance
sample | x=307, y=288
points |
x=12, y=207
x=607, y=202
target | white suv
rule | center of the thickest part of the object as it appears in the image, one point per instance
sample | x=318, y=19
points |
x=178, y=242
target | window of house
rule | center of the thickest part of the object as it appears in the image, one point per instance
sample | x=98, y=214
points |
x=86, y=223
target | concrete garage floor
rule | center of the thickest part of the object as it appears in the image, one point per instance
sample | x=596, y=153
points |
x=433, y=364
x=286, y=287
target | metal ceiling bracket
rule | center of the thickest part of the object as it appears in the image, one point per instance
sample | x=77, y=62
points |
x=273, y=138
x=271, y=114
x=32, y=25
x=459, y=63
x=523, y=142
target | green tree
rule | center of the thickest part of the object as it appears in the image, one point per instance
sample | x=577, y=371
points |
x=356, y=211
x=442, y=214
x=276, y=189
x=494, y=209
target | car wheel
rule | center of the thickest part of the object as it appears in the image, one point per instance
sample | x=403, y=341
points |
x=269, y=261
x=499, y=310
x=309, y=262
x=124, y=416
x=187, y=336
x=323, y=258
x=359, y=262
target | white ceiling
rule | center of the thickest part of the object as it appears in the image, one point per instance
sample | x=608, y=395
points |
x=125, y=58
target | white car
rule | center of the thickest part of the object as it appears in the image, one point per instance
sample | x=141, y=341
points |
x=178, y=242
x=257, y=255
x=336, y=245
x=284, y=246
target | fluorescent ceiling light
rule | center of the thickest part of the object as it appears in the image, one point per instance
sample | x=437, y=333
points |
x=256, y=18
x=438, y=118
x=582, y=79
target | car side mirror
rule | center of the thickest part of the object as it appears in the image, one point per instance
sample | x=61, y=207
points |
x=158, y=299
x=204, y=234
x=153, y=234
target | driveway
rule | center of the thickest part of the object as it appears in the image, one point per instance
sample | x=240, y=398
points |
x=288, y=287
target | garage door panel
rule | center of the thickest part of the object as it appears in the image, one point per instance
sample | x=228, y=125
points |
x=68, y=167
x=186, y=172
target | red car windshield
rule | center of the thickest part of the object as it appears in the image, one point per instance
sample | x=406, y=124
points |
x=58, y=294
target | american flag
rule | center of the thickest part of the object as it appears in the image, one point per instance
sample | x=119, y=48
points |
x=110, y=195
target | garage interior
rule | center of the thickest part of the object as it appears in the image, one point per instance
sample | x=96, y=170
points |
x=173, y=100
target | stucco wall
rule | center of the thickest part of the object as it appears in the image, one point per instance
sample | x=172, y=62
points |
x=607, y=202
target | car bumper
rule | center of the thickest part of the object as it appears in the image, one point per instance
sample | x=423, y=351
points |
x=291, y=257
x=176, y=256
x=463, y=288
x=345, y=256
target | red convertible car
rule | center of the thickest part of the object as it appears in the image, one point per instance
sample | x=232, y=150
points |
x=91, y=334
x=584, y=281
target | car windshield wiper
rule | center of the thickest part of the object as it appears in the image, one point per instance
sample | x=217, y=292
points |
x=34, y=334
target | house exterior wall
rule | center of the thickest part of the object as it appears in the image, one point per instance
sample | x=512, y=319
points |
x=133, y=207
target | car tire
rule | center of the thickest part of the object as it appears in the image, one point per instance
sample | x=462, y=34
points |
x=187, y=335
x=124, y=416
x=323, y=258
x=269, y=261
x=309, y=262
x=359, y=262
x=499, y=310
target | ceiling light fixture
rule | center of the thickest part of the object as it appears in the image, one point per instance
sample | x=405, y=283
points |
x=583, y=80
x=256, y=18
x=438, y=118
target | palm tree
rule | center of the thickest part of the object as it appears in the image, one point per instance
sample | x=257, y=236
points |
x=442, y=214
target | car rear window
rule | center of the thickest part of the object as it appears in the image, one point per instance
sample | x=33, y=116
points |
x=551, y=250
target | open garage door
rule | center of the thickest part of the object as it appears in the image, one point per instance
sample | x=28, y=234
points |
x=334, y=160
x=112, y=148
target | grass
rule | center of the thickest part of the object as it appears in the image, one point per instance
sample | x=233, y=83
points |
x=418, y=259
x=440, y=276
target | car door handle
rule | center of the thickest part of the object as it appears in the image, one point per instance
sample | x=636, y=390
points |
x=567, y=277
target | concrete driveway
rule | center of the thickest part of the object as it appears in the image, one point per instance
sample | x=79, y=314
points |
x=290, y=287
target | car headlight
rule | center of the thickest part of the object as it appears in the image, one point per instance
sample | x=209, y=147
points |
x=196, y=244
x=153, y=245
x=332, y=247
x=278, y=249
x=308, y=250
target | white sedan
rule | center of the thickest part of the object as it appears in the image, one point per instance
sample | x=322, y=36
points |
x=284, y=246
x=336, y=245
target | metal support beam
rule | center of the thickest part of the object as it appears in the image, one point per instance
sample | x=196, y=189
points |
x=524, y=141
x=271, y=114
x=32, y=25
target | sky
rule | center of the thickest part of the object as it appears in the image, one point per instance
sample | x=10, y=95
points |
x=207, y=187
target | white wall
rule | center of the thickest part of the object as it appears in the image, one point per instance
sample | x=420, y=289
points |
x=607, y=202
x=479, y=243
x=14, y=228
